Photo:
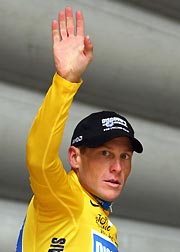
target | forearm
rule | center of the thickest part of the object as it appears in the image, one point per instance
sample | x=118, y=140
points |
x=46, y=133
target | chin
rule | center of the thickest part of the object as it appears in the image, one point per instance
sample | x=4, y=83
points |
x=110, y=198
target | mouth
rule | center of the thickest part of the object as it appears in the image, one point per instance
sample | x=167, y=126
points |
x=113, y=182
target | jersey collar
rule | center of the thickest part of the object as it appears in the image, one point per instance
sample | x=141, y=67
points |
x=106, y=205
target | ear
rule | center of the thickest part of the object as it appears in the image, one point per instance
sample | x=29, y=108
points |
x=74, y=158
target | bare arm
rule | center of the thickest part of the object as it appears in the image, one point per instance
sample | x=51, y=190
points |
x=73, y=51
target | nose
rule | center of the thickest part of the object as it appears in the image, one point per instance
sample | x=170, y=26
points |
x=116, y=165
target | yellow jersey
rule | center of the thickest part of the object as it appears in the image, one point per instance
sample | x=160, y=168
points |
x=62, y=215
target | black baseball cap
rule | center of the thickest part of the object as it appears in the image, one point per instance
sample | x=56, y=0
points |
x=101, y=127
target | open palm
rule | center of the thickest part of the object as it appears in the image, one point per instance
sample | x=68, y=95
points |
x=72, y=50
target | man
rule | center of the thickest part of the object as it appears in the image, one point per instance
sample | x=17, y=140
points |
x=69, y=212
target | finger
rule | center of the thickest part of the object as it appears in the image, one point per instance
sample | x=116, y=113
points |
x=79, y=23
x=88, y=48
x=55, y=31
x=69, y=21
x=62, y=25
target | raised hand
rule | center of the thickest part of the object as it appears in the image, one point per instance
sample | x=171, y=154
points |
x=72, y=50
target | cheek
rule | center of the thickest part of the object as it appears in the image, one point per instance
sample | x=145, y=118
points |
x=91, y=175
x=92, y=171
x=89, y=179
x=127, y=172
x=86, y=172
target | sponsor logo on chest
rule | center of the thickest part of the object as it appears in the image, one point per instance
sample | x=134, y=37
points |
x=102, y=243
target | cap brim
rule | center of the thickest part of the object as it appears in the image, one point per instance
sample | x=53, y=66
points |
x=137, y=146
x=101, y=139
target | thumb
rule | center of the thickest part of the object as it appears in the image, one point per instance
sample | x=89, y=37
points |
x=88, y=48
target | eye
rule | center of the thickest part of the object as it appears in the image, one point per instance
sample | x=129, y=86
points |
x=124, y=156
x=105, y=153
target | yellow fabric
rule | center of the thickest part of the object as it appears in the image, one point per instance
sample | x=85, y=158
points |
x=61, y=216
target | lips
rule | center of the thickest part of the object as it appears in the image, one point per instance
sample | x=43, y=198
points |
x=113, y=182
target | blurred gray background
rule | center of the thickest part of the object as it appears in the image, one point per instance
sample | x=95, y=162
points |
x=135, y=71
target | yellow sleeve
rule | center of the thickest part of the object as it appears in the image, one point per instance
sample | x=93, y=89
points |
x=49, y=180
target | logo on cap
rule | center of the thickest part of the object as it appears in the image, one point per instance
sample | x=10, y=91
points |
x=114, y=123
x=77, y=139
